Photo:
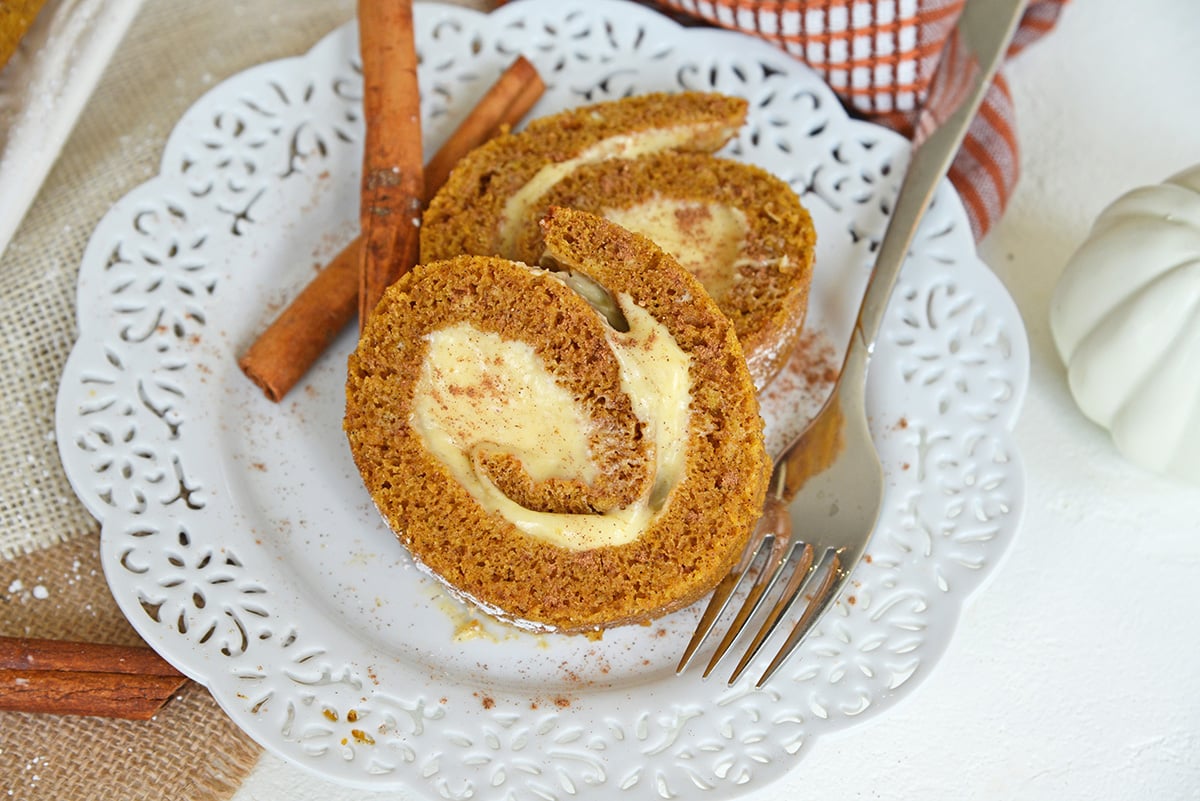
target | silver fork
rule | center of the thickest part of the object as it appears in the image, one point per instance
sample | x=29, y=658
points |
x=832, y=466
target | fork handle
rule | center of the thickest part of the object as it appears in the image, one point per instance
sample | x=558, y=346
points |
x=977, y=46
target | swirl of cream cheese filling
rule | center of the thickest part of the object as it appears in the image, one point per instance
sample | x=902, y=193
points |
x=478, y=391
x=625, y=146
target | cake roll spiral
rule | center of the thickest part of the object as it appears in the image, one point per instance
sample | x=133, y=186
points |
x=571, y=446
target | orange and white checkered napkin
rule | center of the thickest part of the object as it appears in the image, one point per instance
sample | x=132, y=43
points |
x=880, y=56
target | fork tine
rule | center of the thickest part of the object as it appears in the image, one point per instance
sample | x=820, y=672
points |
x=825, y=594
x=777, y=559
x=720, y=598
x=773, y=526
x=799, y=579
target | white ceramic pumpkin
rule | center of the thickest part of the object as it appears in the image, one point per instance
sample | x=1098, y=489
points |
x=1125, y=317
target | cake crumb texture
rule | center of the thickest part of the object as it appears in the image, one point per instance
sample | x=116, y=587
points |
x=768, y=295
x=703, y=524
x=465, y=216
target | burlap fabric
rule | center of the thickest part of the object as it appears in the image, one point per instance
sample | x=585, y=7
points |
x=190, y=751
x=50, y=580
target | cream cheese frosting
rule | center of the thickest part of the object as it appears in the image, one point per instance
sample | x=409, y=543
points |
x=626, y=146
x=707, y=239
x=478, y=392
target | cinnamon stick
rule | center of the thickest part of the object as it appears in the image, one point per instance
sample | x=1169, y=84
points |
x=393, y=178
x=76, y=678
x=282, y=354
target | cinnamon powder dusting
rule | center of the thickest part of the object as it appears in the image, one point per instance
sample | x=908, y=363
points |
x=795, y=395
x=692, y=217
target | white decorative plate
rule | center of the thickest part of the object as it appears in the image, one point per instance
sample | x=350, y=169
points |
x=239, y=541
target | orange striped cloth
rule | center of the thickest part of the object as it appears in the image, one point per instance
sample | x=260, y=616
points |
x=880, y=56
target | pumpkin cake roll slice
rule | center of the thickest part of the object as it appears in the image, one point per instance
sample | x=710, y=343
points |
x=571, y=447
x=492, y=191
x=740, y=230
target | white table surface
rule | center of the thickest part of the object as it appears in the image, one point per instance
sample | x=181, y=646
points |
x=1074, y=673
